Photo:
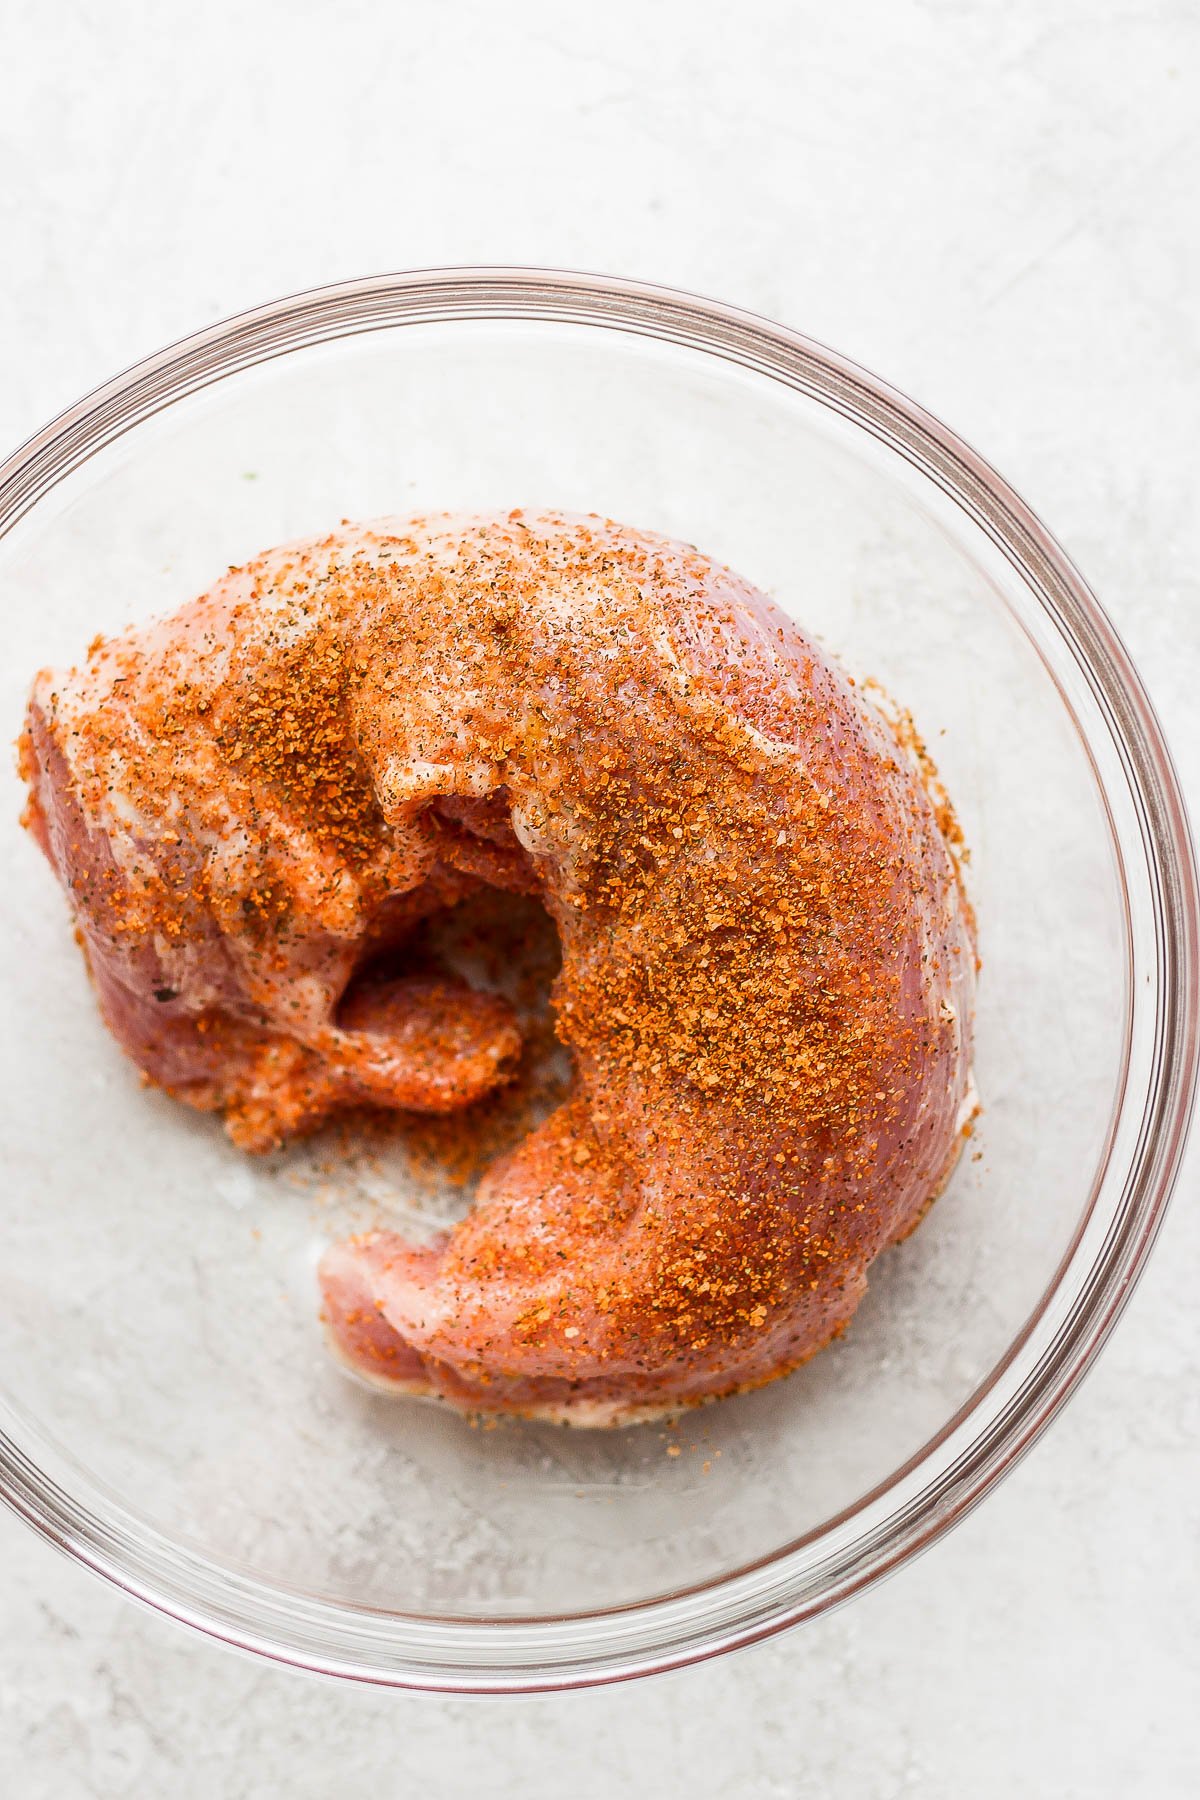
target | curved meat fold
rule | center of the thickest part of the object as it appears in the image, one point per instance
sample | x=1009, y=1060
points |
x=768, y=961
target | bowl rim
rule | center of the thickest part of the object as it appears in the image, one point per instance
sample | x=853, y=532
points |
x=479, y=1655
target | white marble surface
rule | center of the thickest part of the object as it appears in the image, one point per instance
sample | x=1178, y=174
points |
x=994, y=207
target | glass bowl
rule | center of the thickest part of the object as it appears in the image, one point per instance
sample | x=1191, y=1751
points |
x=170, y=1416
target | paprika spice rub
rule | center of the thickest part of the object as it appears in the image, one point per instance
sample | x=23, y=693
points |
x=768, y=961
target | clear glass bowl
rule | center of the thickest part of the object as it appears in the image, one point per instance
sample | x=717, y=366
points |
x=170, y=1416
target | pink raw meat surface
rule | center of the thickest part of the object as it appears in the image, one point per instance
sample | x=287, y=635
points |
x=768, y=963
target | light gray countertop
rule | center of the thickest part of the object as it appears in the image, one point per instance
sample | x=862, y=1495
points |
x=994, y=207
